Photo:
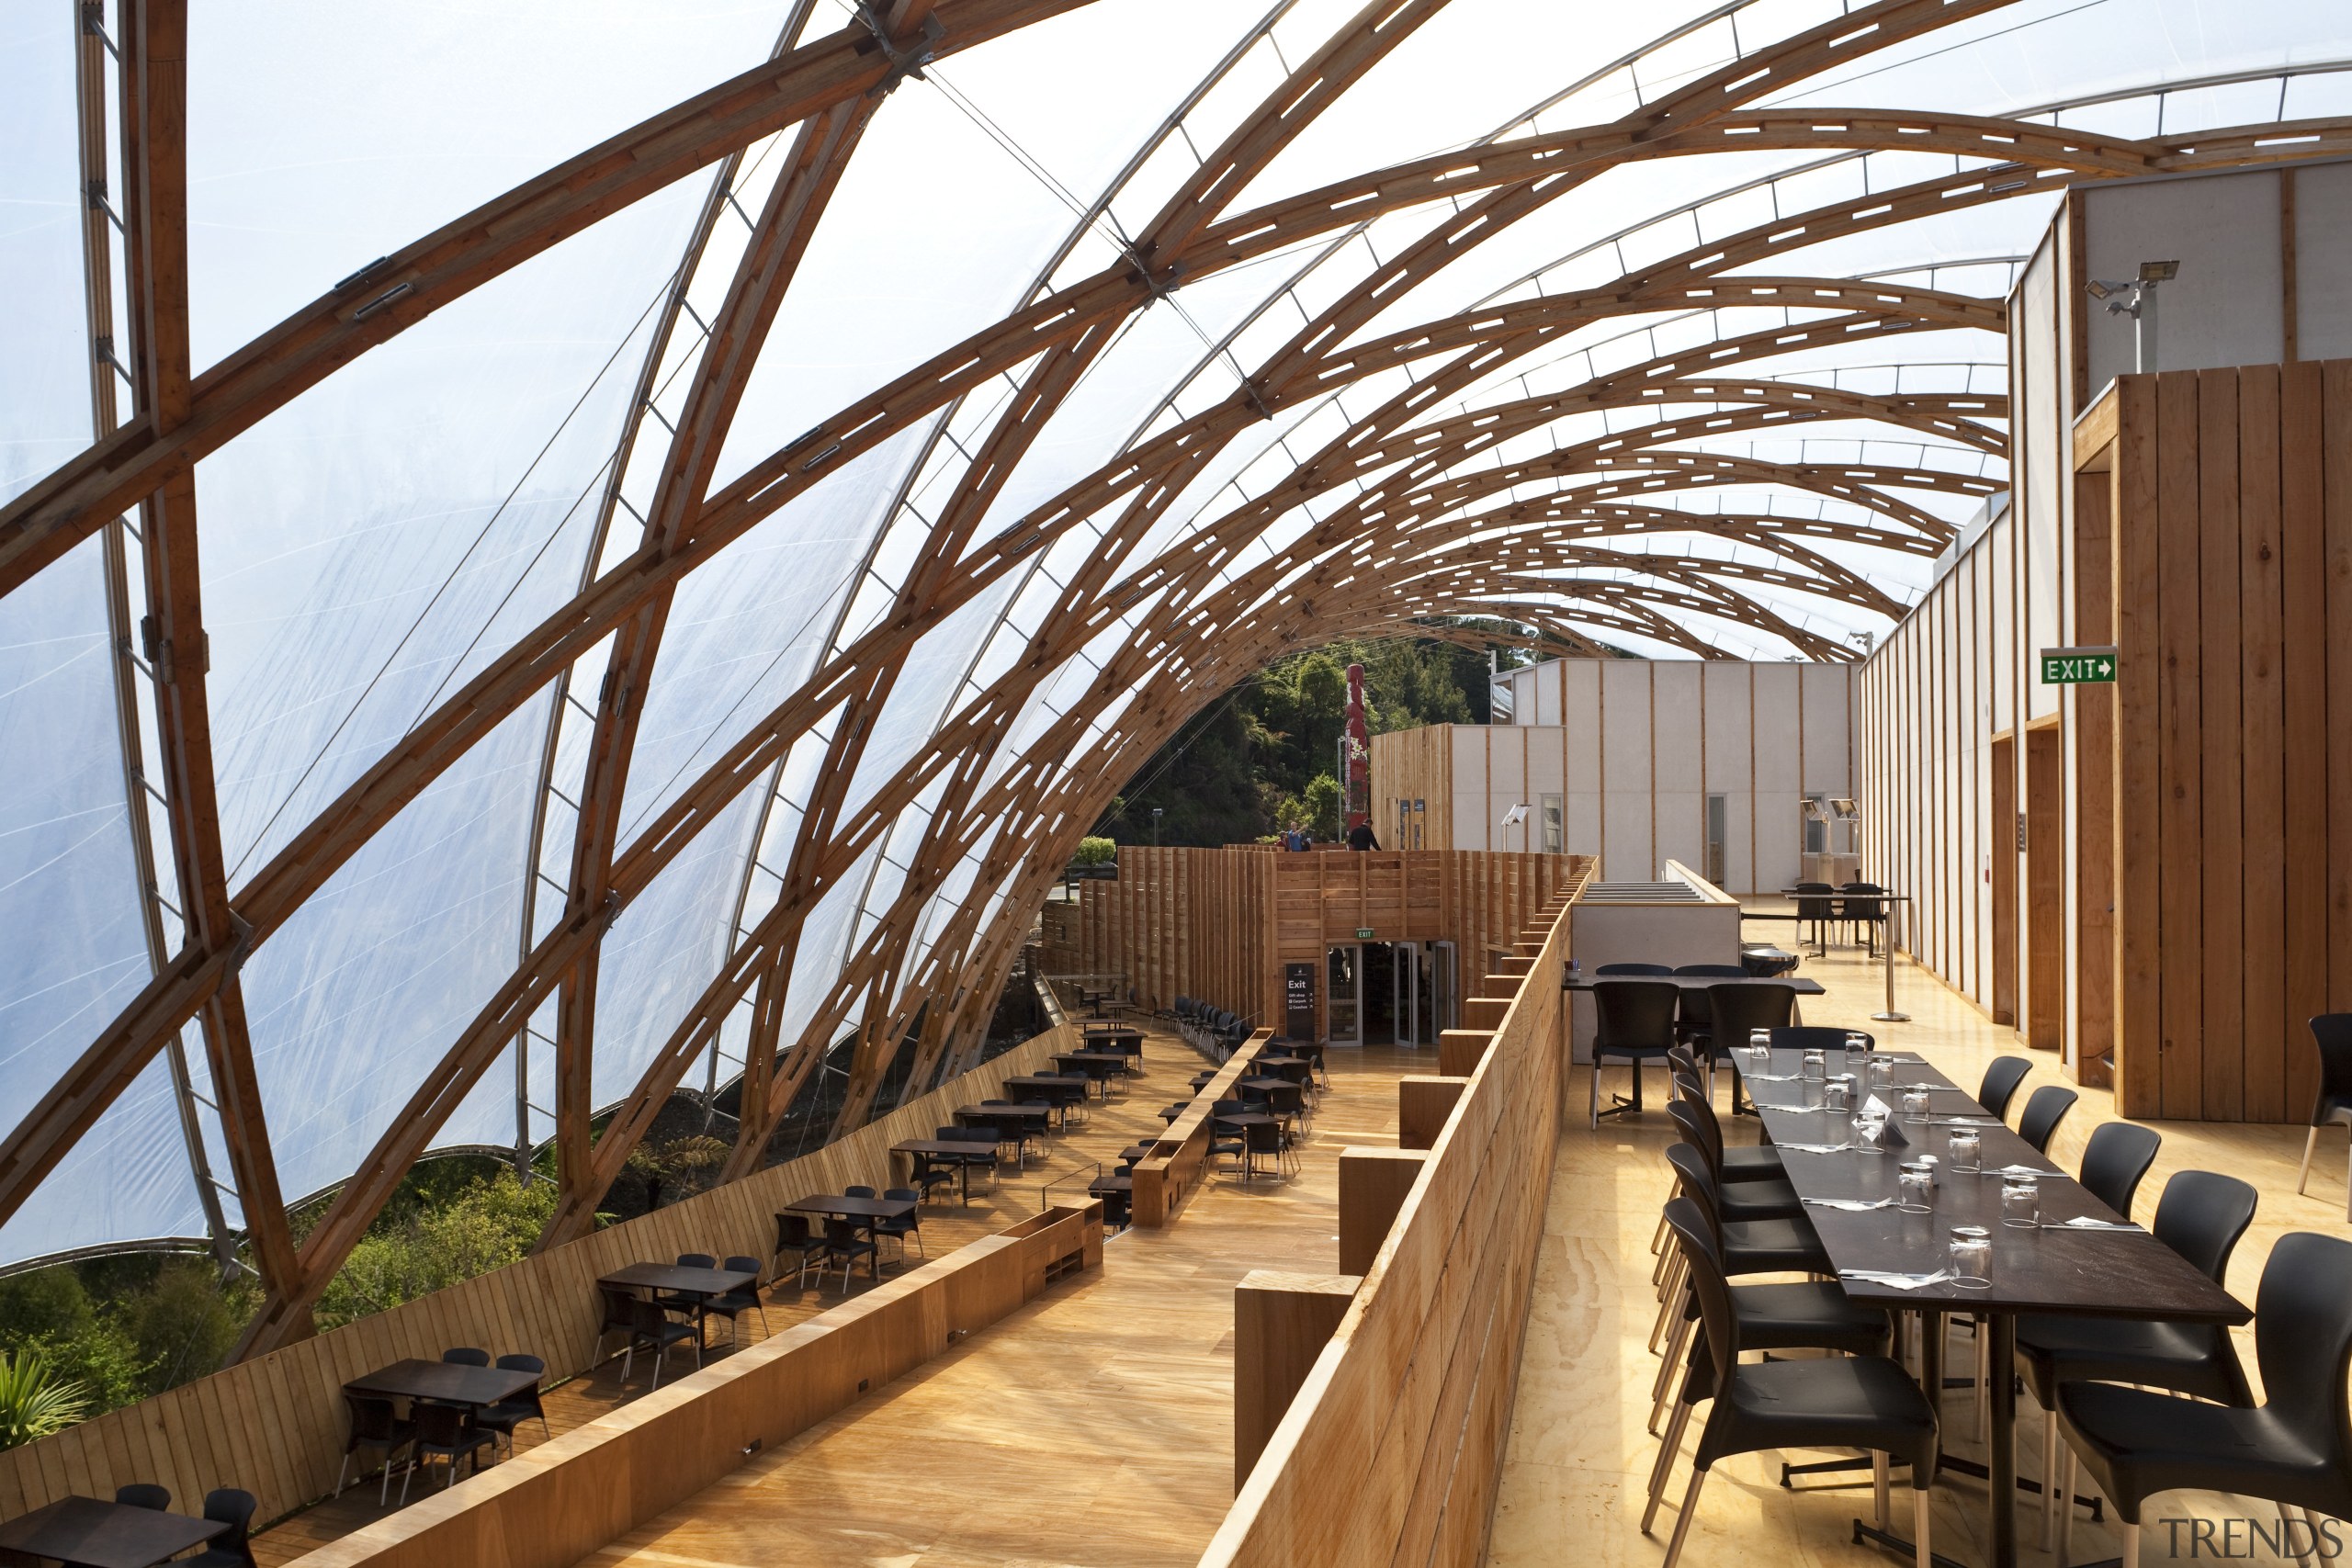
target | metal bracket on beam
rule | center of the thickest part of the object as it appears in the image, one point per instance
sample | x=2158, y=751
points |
x=904, y=62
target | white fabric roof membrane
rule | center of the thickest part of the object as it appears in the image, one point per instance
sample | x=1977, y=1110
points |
x=1331, y=431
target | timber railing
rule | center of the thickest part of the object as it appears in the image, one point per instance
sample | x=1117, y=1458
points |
x=274, y=1425
x=1372, y=1406
x=562, y=1501
x=1166, y=1177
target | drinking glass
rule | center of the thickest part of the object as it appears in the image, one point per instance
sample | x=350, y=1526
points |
x=1916, y=1186
x=1817, y=1067
x=1966, y=1149
x=1837, y=1093
x=2020, y=1202
x=1759, y=1047
x=1881, y=1073
x=1972, y=1251
x=1914, y=1105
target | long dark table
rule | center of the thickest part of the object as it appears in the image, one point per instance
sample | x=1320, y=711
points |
x=2043, y=1270
x=445, y=1383
x=1584, y=982
x=92, y=1533
x=966, y=1155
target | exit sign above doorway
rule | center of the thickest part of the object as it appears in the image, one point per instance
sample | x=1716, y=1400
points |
x=2076, y=666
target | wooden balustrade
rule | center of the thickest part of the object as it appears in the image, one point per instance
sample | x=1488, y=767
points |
x=1166, y=1177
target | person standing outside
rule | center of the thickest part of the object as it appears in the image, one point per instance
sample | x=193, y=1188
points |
x=1360, y=837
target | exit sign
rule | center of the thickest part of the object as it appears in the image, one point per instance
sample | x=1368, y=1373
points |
x=2076, y=666
x=1363, y=934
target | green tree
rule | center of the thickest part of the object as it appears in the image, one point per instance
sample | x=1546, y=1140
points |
x=35, y=1400
x=685, y=1164
x=48, y=1314
x=491, y=1223
x=1319, y=806
x=184, y=1323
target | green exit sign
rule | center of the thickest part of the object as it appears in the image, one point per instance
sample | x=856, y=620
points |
x=2076, y=666
x=1363, y=934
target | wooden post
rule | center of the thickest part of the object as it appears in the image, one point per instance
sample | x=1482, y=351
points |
x=1280, y=1323
x=1423, y=1102
x=1373, y=1185
x=1459, y=1050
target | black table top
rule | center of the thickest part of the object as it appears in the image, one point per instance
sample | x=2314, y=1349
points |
x=1122, y=1032
x=1262, y=1084
x=1112, y=1183
x=1092, y=1064
x=2084, y=1273
x=853, y=1208
x=1049, y=1083
x=1700, y=982
x=94, y=1533
x=1245, y=1119
x=448, y=1383
x=1003, y=1111
x=945, y=1148
x=675, y=1277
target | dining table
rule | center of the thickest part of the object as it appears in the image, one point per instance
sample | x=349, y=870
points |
x=91, y=1532
x=448, y=1383
x=1096, y=1067
x=2076, y=1258
x=964, y=1154
x=862, y=1210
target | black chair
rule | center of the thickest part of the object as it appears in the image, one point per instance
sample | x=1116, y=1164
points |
x=447, y=1432
x=928, y=1176
x=2043, y=1111
x=2002, y=1075
x=845, y=1243
x=1813, y=1037
x=688, y=1303
x=1651, y=970
x=1865, y=913
x=1760, y=1162
x=374, y=1428
x=1762, y=1199
x=1289, y=1104
x=657, y=1333
x=233, y=1548
x=2292, y=1449
x=2332, y=1032
x=1262, y=1138
x=1637, y=1025
x=2114, y=1161
x=502, y=1418
x=1817, y=911
x=2200, y=1217
x=794, y=1234
x=1738, y=1011
x=1859, y=1401
x=734, y=1303
x=901, y=1229
x=857, y=1192
x=1746, y=1247
x=466, y=1356
x=147, y=1494
x=1696, y=1025
x=1225, y=1140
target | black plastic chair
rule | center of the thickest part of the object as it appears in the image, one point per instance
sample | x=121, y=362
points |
x=1861, y=1401
x=2332, y=1032
x=447, y=1433
x=1763, y=1199
x=1818, y=911
x=1262, y=1138
x=1696, y=1024
x=794, y=1234
x=688, y=1303
x=2292, y=1449
x=147, y=1494
x=845, y=1243
x=657, y=1333
x=2002, y=1075
x=374, y=1428
x=1748, y=1247
x=2200, y=1217
x=2114, y=1161
x=734, y=1303
x=502, y=1418
x=233, y=1548
x=466, y=1356
x=900, y=1229
x=1757, y=1162
x=1865, y=913
x=1637, y=1025
x=1651, y=970
x=1814, y=1037
x=857, y=1192
x=2043, y=1111
x=928, y=1176
x=1738, y=1011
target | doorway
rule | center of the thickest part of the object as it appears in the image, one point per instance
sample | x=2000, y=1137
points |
x=1384, y=978
x=1423, y=991
x=1343, y=983
x=2045, y=887
x=2001, y=870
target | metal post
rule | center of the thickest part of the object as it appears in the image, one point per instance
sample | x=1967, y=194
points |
x=1894, y=915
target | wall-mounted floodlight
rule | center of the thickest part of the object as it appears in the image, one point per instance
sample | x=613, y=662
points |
x=2136, y=297
x=1515, y=817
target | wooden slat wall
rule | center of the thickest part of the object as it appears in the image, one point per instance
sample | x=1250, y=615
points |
x=274, y=1425
x=1219, y=924
x=2232, y=492
x=1391, y=1451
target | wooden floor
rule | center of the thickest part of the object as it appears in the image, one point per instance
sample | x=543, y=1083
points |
x=1066, y=1159
x=1093, y=1426
x=1577, y=1466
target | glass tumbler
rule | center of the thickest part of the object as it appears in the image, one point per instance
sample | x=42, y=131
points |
x=1914, y=1105
x=1858, y=1046
x=1817, y=1066
x=1966, y=1149
x=2020, y=1202
x=1881, y=1073
x=1972, y=1251
x=1837, y=1093
x=1760, y=1048
x=1916, y=1185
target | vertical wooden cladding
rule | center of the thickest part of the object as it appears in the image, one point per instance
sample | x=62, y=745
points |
x=2232, y=556
x=1218, y=925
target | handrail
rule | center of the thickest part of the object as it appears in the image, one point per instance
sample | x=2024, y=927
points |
x=1166, y=1177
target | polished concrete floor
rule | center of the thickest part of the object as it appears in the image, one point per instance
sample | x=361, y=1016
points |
x=1577, y=1466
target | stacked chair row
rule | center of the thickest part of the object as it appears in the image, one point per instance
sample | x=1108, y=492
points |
x=1210, y=1030
x=2188, y=1420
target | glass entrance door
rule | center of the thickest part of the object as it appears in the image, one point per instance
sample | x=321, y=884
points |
x=1343, y=982
x=1407, y=983
x=1438, y=986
